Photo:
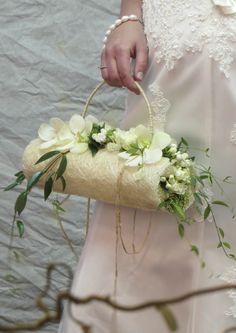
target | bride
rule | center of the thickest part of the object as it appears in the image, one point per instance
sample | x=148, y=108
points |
x=185, y=58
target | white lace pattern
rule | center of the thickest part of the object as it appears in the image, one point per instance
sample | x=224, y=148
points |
x=160, y=105
x=166, y=25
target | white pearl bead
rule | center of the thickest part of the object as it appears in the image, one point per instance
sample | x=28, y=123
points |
x=108, y=32
x=118, y=22
x=124, y=18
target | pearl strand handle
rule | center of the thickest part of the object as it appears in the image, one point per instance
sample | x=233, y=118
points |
x=117, y=23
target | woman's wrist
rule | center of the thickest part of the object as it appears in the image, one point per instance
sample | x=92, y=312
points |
x=120, y=21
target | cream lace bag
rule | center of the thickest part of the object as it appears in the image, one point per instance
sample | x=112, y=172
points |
x=86, y=157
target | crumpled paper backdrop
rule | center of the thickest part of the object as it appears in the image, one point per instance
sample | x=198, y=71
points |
x=49, y=59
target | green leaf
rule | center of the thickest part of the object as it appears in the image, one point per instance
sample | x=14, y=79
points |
x=184, y=142
x=222, y=203
x=57, y=205
x=203, y=264
x=227, y=245
x=63, y=182
x=231, y=255
x=93, y=149
x=19, y=173
x=193, y=181
x=227, y=179
x=48, y=155
x=11, y=186
x=221, y=231
x=219, y=245
x=194, y=249
x=20, y=178
x=21, y=202
x=20, y=227
x=210, y=179
x=207, y=212
x=197, y=198
x=181, y=230
x=207, y=151
x=62, y=167
x=169, y=317
x=162, y=205
x=48, y=187
x=18, y=181
x=203, y=195
x=204, y=177
x=179, y=211
x=10, y=278
x=199, y=180
x=34, y=179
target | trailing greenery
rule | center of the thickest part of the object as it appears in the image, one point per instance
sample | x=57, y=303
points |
x=53, y=172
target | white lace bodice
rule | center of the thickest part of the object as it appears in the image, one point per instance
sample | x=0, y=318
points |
x=209, y=28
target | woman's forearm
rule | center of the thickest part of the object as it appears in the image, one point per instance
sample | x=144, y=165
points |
x=129, y=7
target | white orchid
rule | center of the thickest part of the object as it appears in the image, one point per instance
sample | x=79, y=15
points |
x=55, y=134
x=81, y=128
x=71, y=136
x=150, y=154
x=125, y=138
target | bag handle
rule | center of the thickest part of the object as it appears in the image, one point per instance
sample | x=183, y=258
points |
x=150, y=111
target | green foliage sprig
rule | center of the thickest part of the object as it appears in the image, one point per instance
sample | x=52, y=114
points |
x=201, y=178
x=53, y=172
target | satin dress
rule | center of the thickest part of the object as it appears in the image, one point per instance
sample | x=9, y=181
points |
x=191, y=83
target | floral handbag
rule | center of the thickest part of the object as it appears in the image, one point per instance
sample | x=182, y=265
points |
x=140, y=168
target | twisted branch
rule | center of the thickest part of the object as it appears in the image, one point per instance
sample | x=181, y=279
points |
x=55, y=316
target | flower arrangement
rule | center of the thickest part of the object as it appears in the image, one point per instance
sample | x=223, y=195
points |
x=180, y=184
x=137, y=147
x=141, y=167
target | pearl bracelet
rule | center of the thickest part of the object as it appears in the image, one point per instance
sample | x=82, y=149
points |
x=119, y=22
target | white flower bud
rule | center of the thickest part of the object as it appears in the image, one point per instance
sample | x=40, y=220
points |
x=184, y=156
x=168, y=186
x=173, y=150
x=179, y=156
x=178, y=173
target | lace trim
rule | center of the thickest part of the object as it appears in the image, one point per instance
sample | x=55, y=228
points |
x=179, y=26
x=159, y=103
x=230, y=277
x=233, y=135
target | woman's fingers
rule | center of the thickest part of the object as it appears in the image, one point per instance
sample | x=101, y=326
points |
x=123, y=57
x=141, y=62
x=104, y=67
x=109, y=72
x=118, y=68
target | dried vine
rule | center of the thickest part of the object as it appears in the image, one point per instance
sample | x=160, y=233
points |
x=55, y=316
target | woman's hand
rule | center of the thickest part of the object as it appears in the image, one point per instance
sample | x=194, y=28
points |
x=125, y=42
